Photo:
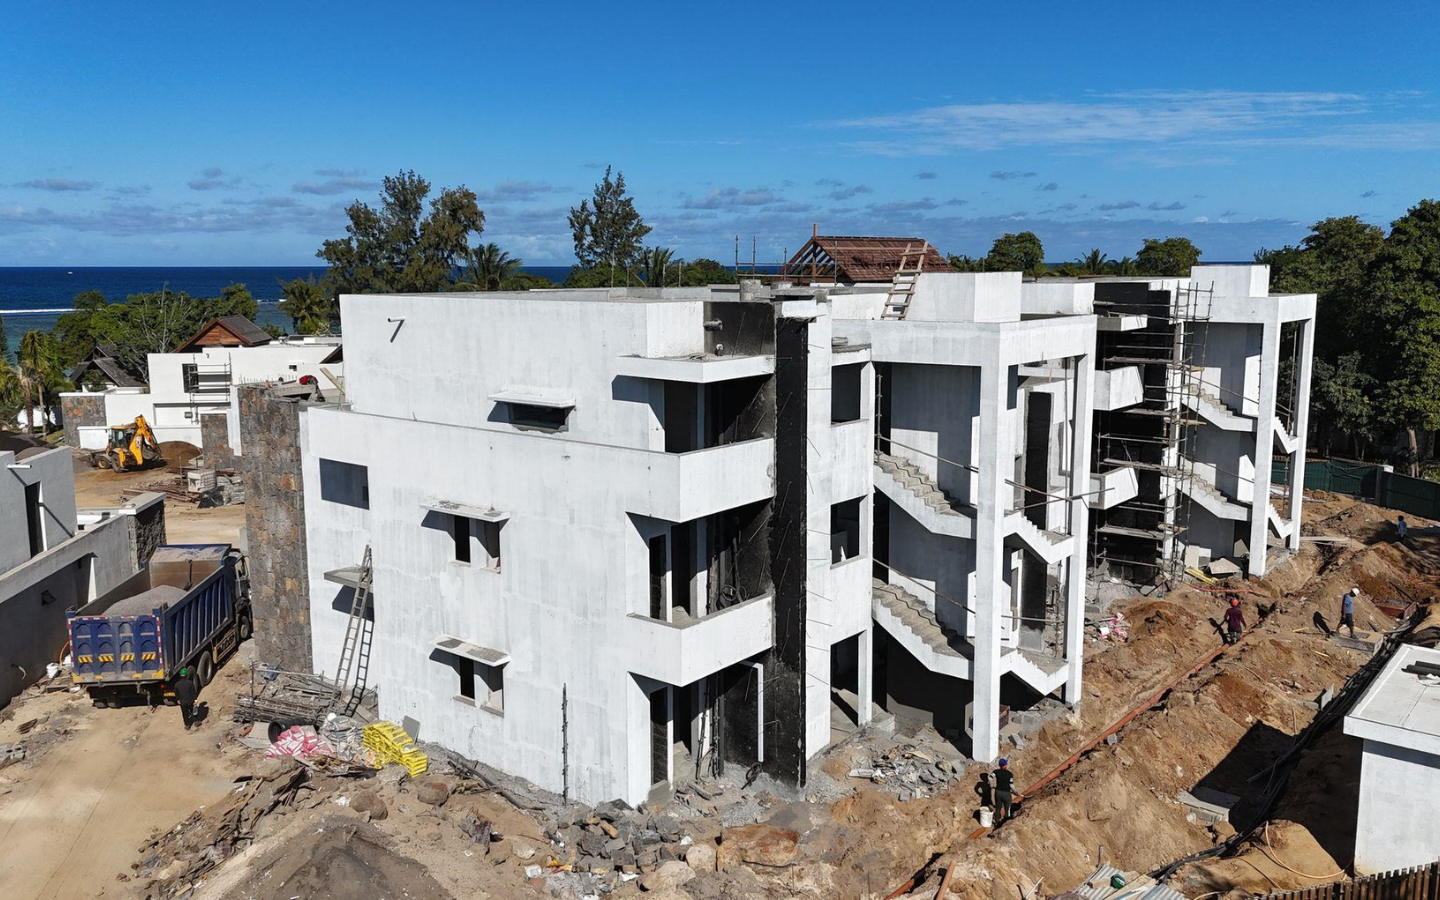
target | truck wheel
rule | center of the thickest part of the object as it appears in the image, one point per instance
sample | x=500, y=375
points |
x=246, y=627
x=205, y=667
x=274, y=732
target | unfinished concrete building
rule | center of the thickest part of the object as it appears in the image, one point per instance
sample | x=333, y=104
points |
x=1203, y=383
x=617, y=536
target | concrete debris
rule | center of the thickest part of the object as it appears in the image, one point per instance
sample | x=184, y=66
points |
x=760, y=844
x=10, y=754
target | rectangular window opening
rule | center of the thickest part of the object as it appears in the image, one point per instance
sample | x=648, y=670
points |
x=465, y=666
x=658, y=567
x=345, y=483
x=844, y=530
x=34, y=519
x=190, y=375
x=460, y=530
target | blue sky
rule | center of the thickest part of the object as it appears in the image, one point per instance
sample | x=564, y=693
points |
x=219, y=133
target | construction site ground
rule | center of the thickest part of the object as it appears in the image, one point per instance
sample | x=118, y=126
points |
x=124, y=803
x=185, y=521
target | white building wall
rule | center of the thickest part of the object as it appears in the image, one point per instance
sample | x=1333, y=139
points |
x=1399, y=792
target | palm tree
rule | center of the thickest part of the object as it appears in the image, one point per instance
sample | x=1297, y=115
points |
x=12, y=388
x=487, y=268
x=1124, y=266
x=653, y=263
x=309, y=304
x=1093, y=263
x=39, y=360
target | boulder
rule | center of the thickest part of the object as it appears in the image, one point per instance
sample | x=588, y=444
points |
x=370, y=802
x=760, y=844
x=432, y=793
x=667, y=876
x=701, y=858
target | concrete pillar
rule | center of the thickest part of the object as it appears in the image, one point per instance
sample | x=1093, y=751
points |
x=864, y=674
x=1079, y=525
x=992, y=595
x=1264, y=442
x=1303, y=362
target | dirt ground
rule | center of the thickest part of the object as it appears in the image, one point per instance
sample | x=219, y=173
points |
x=88, y=814
x=185, y=521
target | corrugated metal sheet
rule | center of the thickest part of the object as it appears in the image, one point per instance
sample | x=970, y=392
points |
x=1137, y=887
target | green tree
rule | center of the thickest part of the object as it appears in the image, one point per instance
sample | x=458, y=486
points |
x=1171, y=257
x=1340, y=399
x=1016, y=252
x=702, y=272
x=488, y=268
x=399, y=247
x=40, y=369
x=609, y=232
x=1093, y=263
x=311, y=306
x=75, y=330
x=1125, y=265
x=1400, y=325
x=4, y=343
x=967, y=263
x=657, y=266
x=11, y=392
x=604, y=275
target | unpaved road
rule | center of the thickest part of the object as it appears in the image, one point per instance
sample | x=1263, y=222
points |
x=74, y=812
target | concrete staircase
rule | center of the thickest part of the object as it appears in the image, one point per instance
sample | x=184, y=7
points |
x=1041, y=671
x=1213, y=410
x=1051, y=546
x=1287, y=441
x=1282, y=525
x=917, y=493
x=910, y=622
x=1208, y=496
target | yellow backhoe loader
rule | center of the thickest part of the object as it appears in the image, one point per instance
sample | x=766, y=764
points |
x=131, y=446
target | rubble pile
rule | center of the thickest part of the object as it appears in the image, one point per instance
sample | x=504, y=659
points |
x=910, y=773
x=596, y=850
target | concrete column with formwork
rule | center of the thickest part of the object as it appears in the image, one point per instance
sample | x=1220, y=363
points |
x=991, y=597
x=1082, y=422
x=1263, y=451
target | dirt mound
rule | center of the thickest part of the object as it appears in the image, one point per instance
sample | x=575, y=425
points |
x=340, y=859
x=178, y=454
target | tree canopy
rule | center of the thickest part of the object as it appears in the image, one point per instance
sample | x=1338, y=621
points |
x=312, y=307
x=399, y=247
x=1016, y=252
x=607, y=229
x=1172, y=256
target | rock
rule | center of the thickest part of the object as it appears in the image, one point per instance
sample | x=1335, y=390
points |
x=758, y=843
x=667, y=875
x=647, y=859
x=432, y=793
x=593, y=844
x=1222, y=830
x=667, y=826
x=608, y=829
x=524, y=851
x=701, y=858
x=370, y=802
x=613, y=810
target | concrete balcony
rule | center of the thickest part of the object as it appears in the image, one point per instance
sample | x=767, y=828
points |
x=1118, y=388
x=680, y=653
x=680, y=487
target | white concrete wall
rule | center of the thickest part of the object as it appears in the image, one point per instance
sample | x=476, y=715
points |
x=53, y=471
x=1057, y=298
x=73, y=568
x=1396, y=826
x=966, y=297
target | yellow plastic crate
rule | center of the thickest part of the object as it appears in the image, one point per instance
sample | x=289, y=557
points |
x=391, y=744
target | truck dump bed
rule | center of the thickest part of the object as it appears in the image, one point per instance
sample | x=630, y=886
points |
x=157, y=620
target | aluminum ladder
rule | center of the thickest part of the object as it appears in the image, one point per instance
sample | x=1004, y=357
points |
x=902, y=286
x=355, y=652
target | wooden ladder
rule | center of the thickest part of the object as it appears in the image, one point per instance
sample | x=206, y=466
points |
x=355, y=652
x=902, y=286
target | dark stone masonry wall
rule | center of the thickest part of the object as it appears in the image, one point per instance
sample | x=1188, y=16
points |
x=215, y=442
x=275, y=527
x=80, y=409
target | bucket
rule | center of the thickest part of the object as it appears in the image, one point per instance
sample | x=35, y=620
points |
x=987, y=817
x=52, y=669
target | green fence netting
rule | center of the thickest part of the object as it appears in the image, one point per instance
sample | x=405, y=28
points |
x=1417, y=496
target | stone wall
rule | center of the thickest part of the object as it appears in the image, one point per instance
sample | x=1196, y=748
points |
x=148, y=527
x=80, y=409
x=275, y=526
x=215, y=442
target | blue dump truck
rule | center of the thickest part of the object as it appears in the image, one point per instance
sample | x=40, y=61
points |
x=189, y=607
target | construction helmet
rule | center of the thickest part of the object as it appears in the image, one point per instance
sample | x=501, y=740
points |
x=1355, y=591
x=1234, y=601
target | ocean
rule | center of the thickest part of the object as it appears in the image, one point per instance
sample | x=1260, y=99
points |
x=34, y=297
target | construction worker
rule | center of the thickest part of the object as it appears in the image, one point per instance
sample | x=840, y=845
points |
x=186, y=693
x=1347, y=610
x=1402, y=530
x=1234, y=621
x=1005, y=793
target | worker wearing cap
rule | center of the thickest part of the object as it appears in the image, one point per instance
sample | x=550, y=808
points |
x=1005, y=793
x=186, y=693
x=1234, y=621
x=1347, y=610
